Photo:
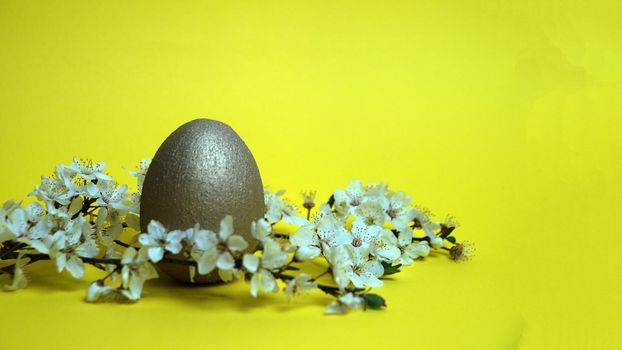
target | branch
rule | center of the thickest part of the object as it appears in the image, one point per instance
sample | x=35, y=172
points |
x=330, y=290
x=108, y=261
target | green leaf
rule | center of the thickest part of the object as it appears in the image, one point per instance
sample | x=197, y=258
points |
x=390, y=269
x=446, y=231
x=452, y=239
x=374, y=301
x=331, y=201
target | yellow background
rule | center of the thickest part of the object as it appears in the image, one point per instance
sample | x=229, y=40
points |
x=505, y=114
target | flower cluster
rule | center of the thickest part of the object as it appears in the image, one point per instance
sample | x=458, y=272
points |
x=362, y=233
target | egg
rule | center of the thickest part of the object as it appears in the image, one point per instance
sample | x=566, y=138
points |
x=202, y=172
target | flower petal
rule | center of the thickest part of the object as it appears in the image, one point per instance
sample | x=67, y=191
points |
x=207, y=262
x=236, y=243
x=304, y=236
x=155, y=229
x=145, y=239
x=307, y=252
x=254, y=285
x=75, y=266
x=39, y=246
x=250, y=262
x=388, y=253
x=225, y=275
x=373, y=267
x=61, y=262
x=335, y=308
x=155, y=254
x=268, y=283
x=225, y=261
x=128, y=255
x=226, y=227
x=136, y=285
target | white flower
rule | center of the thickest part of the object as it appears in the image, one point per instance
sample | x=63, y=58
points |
x=344, y=304
x=412, y=251
x=204, y=249
x=331, y=232
x=134, y=202
x=66, y=251
x=17, y=224
x=88, y=170
x=436, y=242
x=261, y=276
x=371, y=212
x=367, y=274
x=68, y=177
x=277, y=209
x=422, y=221
x=157, y=240
x=108, y=194
x=307, y=243
x=362, y=233
x=376, y=191
x=396, y=210
x=65, y=211
x=381, y=242
x=71, y=259
x=396, y=207
x=136, y=270
x=211, y=251
x=99, y=292
x=347, y=201
x=19, y=279
x=261, y=229
x=108, y=226
x=385, y=246
x=68, y=245
x=43, y=229
x=341, y=259
x=272, y=257
x=52, y=191
x=8, y=207
x=5, y=212
x=299, y=284
x=73, y=255
x=229, y=243
x=352, y=264
x=140, y=173
x=50, y=244
x=35, y=212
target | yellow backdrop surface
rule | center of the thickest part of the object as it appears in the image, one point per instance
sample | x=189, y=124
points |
x=504, y=114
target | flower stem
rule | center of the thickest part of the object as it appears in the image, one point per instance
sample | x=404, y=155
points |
x=8, y=269
x=11, y=248
x=124, y=245
x=110, y=274
x=108, y=261
x=331, y=290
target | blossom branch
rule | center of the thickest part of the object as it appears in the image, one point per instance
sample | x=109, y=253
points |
x=361, y=232
x=108, y=261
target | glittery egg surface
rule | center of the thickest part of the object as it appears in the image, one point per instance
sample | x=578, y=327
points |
x=202, y=172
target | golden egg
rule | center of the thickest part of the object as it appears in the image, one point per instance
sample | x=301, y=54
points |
x=202, y=172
